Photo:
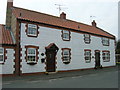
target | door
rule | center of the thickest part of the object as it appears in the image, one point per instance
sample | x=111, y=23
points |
x=50, y=61
x=97, y=59
x=51, y=51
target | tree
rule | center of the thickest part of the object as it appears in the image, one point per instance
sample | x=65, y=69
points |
x=118, y=47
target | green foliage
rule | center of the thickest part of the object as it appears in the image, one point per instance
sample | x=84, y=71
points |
x=118, y=47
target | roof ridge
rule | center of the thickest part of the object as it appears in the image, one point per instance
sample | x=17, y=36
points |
x=36, y=11
x=52, y=16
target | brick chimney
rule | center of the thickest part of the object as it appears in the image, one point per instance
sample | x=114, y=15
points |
x=63, y=15
x=94, y=23
x=9, y=14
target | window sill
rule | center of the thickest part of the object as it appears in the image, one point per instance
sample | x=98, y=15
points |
x=105, y=45
x=66, y=40
x=2, y=63
x=66, y=62
x=87, y=43
x=88, y=61
x=106, y=61
x=32, y=63
x=32, y=36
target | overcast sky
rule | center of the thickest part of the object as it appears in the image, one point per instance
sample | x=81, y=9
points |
x=105, y=12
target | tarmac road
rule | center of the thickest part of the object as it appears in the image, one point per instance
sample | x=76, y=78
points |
x=106, y=79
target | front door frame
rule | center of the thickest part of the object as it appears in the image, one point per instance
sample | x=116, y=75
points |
x=50, y=61
x=51, y=50
x=97, y=59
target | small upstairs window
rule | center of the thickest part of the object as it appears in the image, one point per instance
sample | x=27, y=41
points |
x=1, y=55
x=87, y=38
x=32, y=30
x=66, y=35
x=105, y=41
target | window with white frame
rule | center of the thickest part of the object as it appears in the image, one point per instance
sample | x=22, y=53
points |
x=66, y=56
x=31, y=55
x=106, y=56
x=1, y=55
x=32, y=30
x=66, y=35
x=87, y=54
x=87, y=38
x=105, y=41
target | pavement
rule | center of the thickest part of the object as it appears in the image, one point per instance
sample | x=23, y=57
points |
x=59, y=74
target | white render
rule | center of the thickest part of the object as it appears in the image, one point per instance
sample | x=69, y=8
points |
x=50, y=35
x=8, y=66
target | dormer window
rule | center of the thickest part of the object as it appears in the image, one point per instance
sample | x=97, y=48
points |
x=87, y=38
x=66, y=35
x=105, y=41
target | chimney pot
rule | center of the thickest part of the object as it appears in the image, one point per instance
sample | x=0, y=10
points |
x=9, y=3
x=63, y=15
x=9, y=0
x=94, y=23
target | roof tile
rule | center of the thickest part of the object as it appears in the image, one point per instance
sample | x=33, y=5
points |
x=5, y=36
x=25, y=14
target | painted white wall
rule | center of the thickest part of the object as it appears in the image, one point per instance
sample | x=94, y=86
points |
x=8, y=66
x=77, y=45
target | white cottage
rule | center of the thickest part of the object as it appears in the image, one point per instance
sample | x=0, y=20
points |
x=41, y=43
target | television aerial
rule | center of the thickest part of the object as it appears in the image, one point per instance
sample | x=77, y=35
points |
x=60, y=7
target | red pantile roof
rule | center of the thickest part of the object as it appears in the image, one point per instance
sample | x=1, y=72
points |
x=5, y=36
x=25, y=14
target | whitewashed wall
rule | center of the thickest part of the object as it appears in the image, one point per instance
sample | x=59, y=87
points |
x=77, y=45
x=8, y=66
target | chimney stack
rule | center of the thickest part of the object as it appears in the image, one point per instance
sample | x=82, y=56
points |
x=94, y=23
x=9, y=14
x=9, y=3
x=63, y=15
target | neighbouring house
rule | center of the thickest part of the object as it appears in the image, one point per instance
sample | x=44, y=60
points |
x=34, y=43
